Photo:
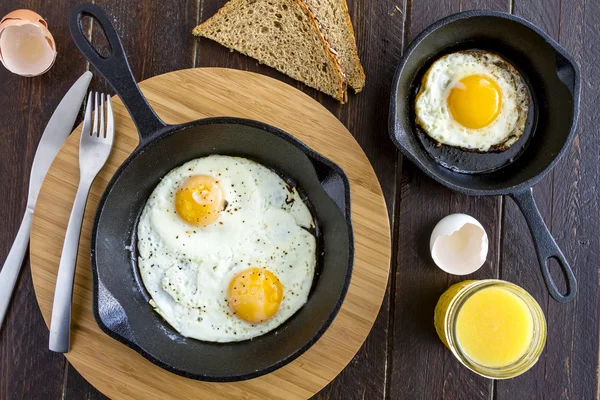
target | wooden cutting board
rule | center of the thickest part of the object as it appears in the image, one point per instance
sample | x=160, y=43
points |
x=121, y=373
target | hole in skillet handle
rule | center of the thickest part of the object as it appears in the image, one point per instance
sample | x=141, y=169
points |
x=114, y=68
x=555, y=269
x=96, y=36
x=546, y=247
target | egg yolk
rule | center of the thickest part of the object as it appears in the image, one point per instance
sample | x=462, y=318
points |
x=255, y=295
x=199, y=200
x=475, y=101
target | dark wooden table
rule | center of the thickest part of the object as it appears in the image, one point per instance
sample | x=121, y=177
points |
x=402, y=357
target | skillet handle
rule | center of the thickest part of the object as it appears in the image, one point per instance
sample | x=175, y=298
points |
x=546, y=247
x=114, y=68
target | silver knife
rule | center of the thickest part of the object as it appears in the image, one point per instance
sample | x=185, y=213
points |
x=57, y=131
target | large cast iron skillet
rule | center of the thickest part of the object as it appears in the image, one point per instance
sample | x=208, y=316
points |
x=120, y=300
x=552, y=77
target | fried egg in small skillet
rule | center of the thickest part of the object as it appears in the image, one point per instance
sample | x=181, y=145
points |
x=473, y=100
x=225, y=249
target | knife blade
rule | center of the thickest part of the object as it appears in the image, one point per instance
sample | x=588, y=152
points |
x=57, y=131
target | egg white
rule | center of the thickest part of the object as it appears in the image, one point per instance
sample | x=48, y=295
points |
x=434, y=116
x=187, y=269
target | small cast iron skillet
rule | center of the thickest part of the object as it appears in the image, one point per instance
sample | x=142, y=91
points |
x=552, y=77
x=120, y=300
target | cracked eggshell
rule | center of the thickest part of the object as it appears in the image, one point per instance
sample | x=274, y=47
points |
x=27, y=47
x=459, y=244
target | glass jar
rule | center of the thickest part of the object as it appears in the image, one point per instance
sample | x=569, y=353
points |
x=446, y=315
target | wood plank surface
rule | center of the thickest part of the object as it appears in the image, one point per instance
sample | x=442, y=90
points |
x=402, y=358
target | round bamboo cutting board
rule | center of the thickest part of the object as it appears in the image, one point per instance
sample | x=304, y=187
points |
x=121, y=373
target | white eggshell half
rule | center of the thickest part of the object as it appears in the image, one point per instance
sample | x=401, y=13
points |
x=26, y=48
x=459, y=244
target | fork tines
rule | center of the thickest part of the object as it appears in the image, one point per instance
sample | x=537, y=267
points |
x=100, y=128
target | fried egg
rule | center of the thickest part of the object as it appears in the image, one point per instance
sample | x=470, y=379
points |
x=473, y=100
x=225, y=249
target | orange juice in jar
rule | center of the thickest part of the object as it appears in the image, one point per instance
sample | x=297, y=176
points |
x=493, y=327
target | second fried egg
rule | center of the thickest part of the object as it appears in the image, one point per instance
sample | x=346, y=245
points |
x=473, y=100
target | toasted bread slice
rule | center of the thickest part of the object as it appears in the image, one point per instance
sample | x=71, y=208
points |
x=335, y=21
x=282, y=34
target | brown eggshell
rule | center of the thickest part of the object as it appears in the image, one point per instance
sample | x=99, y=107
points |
x=26, y=19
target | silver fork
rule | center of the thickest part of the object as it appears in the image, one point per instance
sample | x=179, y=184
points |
x=94, y=149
